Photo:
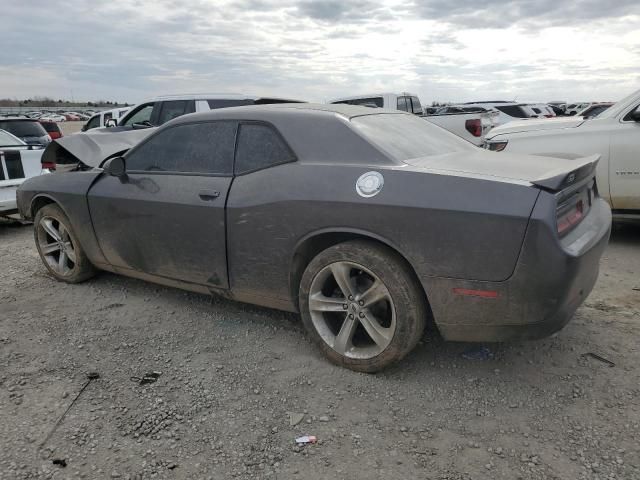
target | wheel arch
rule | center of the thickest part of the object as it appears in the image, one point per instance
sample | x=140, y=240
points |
x=41, y=200
x=309, y=246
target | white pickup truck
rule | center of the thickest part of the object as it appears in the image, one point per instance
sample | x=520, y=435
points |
x=613, y=134
x=471, y=126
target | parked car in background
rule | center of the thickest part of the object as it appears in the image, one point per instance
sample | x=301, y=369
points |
x=18, y=161
x=52, y=117
x=367, y=235
x=508, y=111
x=470, y=126
x=52, y=129
x=28, y=130
x=101, y=119
x=594, y=109
x=558, y=106
x=574, y=108
x=159, y=110
x=542, y=110
x=614, y=135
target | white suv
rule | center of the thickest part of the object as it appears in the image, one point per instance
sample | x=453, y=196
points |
x=509, y=111
x=156, y=111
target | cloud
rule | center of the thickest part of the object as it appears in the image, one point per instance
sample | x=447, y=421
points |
x=319, y=49
x=507, y=13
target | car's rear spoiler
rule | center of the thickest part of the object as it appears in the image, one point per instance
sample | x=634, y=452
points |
x=560, y=179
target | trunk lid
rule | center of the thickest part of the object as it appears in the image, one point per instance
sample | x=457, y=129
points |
x=538, y=125
x=549, y=173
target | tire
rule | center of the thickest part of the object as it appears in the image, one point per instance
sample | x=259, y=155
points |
x=371, y=331
x=54, y=238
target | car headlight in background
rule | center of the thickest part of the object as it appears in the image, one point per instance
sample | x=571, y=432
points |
x=497, y=146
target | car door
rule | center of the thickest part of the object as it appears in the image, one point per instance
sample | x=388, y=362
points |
x=166, y=217
x=624, y=165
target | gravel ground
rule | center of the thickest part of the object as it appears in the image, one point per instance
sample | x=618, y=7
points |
x=235, y=379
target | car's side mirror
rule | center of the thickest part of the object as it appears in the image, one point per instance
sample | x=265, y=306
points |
x=84, y=128
x=635, y=115
x=116, y=167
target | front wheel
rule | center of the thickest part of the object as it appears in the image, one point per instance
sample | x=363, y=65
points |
x=58, y=246
x=362, y=306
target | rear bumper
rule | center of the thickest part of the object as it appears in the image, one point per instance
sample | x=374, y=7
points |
x=551, y=280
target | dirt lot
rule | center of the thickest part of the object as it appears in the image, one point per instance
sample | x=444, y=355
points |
x=234, y=378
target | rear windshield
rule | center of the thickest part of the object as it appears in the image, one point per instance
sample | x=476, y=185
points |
x=513, y=110
x=50, y=127
x=404, y=137
x=23, y=128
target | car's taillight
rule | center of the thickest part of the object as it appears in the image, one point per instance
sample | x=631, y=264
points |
x=49, y=165
x=474, y=127
x=569, y=217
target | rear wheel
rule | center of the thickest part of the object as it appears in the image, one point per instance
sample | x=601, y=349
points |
x=58, y=246
x=361, y=304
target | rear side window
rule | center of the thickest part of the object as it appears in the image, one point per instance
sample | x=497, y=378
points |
x=199, y=148
x=260, y=146
x=402, y=104
x=512, y=110
x=22, y=128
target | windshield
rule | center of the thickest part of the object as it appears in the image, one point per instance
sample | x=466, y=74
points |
x=6, y=140
x=615, y=110
x=404, y=137
x=22, y=128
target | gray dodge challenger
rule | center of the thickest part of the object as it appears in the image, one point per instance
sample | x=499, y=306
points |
x=369, y=223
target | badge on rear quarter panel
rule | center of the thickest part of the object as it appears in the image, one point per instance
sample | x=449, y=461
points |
x=369, y=184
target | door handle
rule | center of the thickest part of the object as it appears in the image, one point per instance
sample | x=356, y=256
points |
x=209, y=195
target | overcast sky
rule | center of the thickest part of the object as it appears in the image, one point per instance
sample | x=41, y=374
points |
x=316, y=50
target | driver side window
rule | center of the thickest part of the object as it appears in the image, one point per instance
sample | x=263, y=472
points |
x=141, y=115
x=93, y=122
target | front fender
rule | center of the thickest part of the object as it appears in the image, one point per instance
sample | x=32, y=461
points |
x=69, y=192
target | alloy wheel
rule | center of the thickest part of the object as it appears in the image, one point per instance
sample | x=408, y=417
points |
x=352, y=310
x=56, y=246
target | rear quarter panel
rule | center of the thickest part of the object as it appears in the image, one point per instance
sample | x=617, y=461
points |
x=443, y=225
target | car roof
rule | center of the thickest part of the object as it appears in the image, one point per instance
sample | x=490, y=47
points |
x=20, y=119
x=250, y=112
x=213, y=96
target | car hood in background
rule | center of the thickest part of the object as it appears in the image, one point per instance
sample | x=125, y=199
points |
x=548, y=172
x=92, y=148
x=535, y=125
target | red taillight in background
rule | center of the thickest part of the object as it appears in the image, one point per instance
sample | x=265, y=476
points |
x=55, y=135
x=571, y=217
x=49, y=165
x=474, y=127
